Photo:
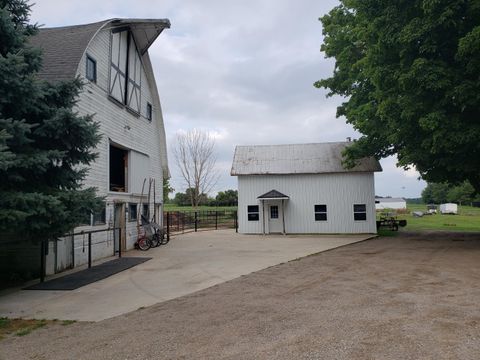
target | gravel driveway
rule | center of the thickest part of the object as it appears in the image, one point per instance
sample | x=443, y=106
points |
x=405, y=297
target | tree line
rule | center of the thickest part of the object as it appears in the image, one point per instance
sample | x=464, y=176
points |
x=438, y=193
x=223, y=198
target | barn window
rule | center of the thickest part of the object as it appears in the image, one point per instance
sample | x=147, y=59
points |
x=99, y=217
x=118, y=169
x=132, y=212
x=91, y=71
x=320, y=212
x=149, y=111
x=359, y=212
x=125, y=69
x=274, y=212
x=146, y=211
x=253, y=214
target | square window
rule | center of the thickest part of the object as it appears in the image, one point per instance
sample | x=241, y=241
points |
x=274, y=212
x=320, y=212
x=149, y=111
x=360, y=212
x=253, y=213
x=91, y=72
x=99, y=218
x=132, y=212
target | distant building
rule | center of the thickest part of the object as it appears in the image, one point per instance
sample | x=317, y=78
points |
x=303, y=189
x=390, y=203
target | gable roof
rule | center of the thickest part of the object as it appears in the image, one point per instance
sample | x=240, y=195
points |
x=273, y=194
x=63, y=47
x=296, y=159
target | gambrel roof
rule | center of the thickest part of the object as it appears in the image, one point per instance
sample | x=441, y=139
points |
x=63, y=47
x=296, y=159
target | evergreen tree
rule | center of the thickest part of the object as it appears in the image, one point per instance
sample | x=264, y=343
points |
x=45, y=146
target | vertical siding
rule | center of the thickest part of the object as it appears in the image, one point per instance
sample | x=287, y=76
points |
x=338, y=191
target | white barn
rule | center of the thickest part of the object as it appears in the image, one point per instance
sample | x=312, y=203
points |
x=111, y=57
x=303, y=189
x=390, y=203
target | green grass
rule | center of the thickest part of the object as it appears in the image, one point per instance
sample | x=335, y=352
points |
x=19, y=327
x=68, y=322
x=468, y=219
x=173, y=207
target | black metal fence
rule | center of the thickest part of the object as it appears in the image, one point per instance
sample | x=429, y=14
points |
x=187, y=221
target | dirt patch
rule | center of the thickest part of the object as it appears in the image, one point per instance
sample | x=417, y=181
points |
x=407, y=297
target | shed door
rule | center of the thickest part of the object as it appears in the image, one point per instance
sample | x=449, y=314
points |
x=275, y=218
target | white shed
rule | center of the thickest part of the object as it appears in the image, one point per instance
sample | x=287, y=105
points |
x=448, y=208
x=390, y=203
x=303, y=188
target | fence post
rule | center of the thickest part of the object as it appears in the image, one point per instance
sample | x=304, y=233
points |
x=196, y=220
x=216, y=220
x=89, y=250
x=42, y=261
x=119, y=242
x=236, y=221
x=168, y=226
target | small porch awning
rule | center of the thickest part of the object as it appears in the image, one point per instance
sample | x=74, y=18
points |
x=273, y=195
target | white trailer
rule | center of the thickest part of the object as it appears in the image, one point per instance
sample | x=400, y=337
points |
x=449, y=208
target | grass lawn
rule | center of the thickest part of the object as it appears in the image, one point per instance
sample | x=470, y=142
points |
x=468, y=219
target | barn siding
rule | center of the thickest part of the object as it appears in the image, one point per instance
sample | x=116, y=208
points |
x=338, y=191
x=119, y=126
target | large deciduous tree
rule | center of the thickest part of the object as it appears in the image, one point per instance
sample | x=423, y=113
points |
x=195, y=158
x=410, y=73
x=45, y=145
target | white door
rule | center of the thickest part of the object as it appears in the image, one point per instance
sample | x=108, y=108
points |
x=275, y=218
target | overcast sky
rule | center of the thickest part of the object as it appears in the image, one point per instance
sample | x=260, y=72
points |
x=241, y=70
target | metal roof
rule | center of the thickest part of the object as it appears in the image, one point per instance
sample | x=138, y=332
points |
x=296, y=159
x=63, y=47
x=389, y=200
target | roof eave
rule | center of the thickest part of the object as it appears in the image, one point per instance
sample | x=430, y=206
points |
x=143, y=38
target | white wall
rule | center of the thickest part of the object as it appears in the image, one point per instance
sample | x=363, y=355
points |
x=338, y=191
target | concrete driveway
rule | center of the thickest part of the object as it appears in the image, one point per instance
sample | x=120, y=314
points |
x=189, y=263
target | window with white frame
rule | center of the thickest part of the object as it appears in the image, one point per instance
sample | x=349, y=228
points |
x=320, y=212
x=149, y=111
x=91, y=69
x=359, y=212
x=253, y=213
x=132, y=212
